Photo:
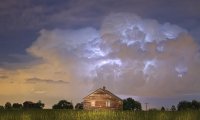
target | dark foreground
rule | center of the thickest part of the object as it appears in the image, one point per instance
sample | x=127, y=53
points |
x=96, y=115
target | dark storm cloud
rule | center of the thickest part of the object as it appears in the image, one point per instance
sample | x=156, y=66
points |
x=19, y=61
x=38, y=80
x=32, y=14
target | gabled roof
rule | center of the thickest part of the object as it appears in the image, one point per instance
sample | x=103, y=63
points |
x=105, y=91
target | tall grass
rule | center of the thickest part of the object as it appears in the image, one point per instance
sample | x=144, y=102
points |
x=96, y=115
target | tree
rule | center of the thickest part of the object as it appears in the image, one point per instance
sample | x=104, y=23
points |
x=184, y=105
x=17, y=106
x=79, y=106
x=162, y=108
x=28, y=104
x=8, y=105
x=138, y=105
x=173, y=108
x=131, y=104
x=1, y=107
x=195, y=105
x=63, y=104
x=32, y=105
x=39, y=105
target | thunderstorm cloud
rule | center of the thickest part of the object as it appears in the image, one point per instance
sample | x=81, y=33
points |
x=129, y=55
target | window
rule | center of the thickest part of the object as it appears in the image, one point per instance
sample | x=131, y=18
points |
x=108, y=103
x=93, y=103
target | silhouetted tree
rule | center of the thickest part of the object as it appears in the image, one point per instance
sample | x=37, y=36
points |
x=1, y=107
x=195, y=105
x=162, y=108
x=63, y=104
x=138, y=105
x=28, y=104
x=79, y=106
x=173, y=108
x=131, y=104
x=17, y=105
x=32, y=105
x=184, y=105
x=39, y=105
x=8, y=105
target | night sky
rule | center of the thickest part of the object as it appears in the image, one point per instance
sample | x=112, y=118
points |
x=64, y=49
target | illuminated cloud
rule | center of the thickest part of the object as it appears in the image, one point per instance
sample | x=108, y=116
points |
x=138, y=53
x=128, y=54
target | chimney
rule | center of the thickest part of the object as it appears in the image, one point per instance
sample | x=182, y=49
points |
x=104, y=88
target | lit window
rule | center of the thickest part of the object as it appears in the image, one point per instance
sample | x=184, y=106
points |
x=93, y=103
x=108, y=103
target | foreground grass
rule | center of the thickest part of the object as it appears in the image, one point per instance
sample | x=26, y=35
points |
x=96, y=115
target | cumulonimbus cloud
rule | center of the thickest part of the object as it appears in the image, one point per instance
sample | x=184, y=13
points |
x=128, y=54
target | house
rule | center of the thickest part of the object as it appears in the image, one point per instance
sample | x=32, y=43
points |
x=102, y=99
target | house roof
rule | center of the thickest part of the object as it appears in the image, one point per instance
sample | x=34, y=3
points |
x=105, y=91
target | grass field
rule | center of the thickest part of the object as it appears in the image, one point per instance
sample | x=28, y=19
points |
x=96, y=115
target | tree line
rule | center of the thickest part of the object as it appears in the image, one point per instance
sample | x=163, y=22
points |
x=128, y=104
x=187, y=105
x=25, y=105
x=182, y=106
